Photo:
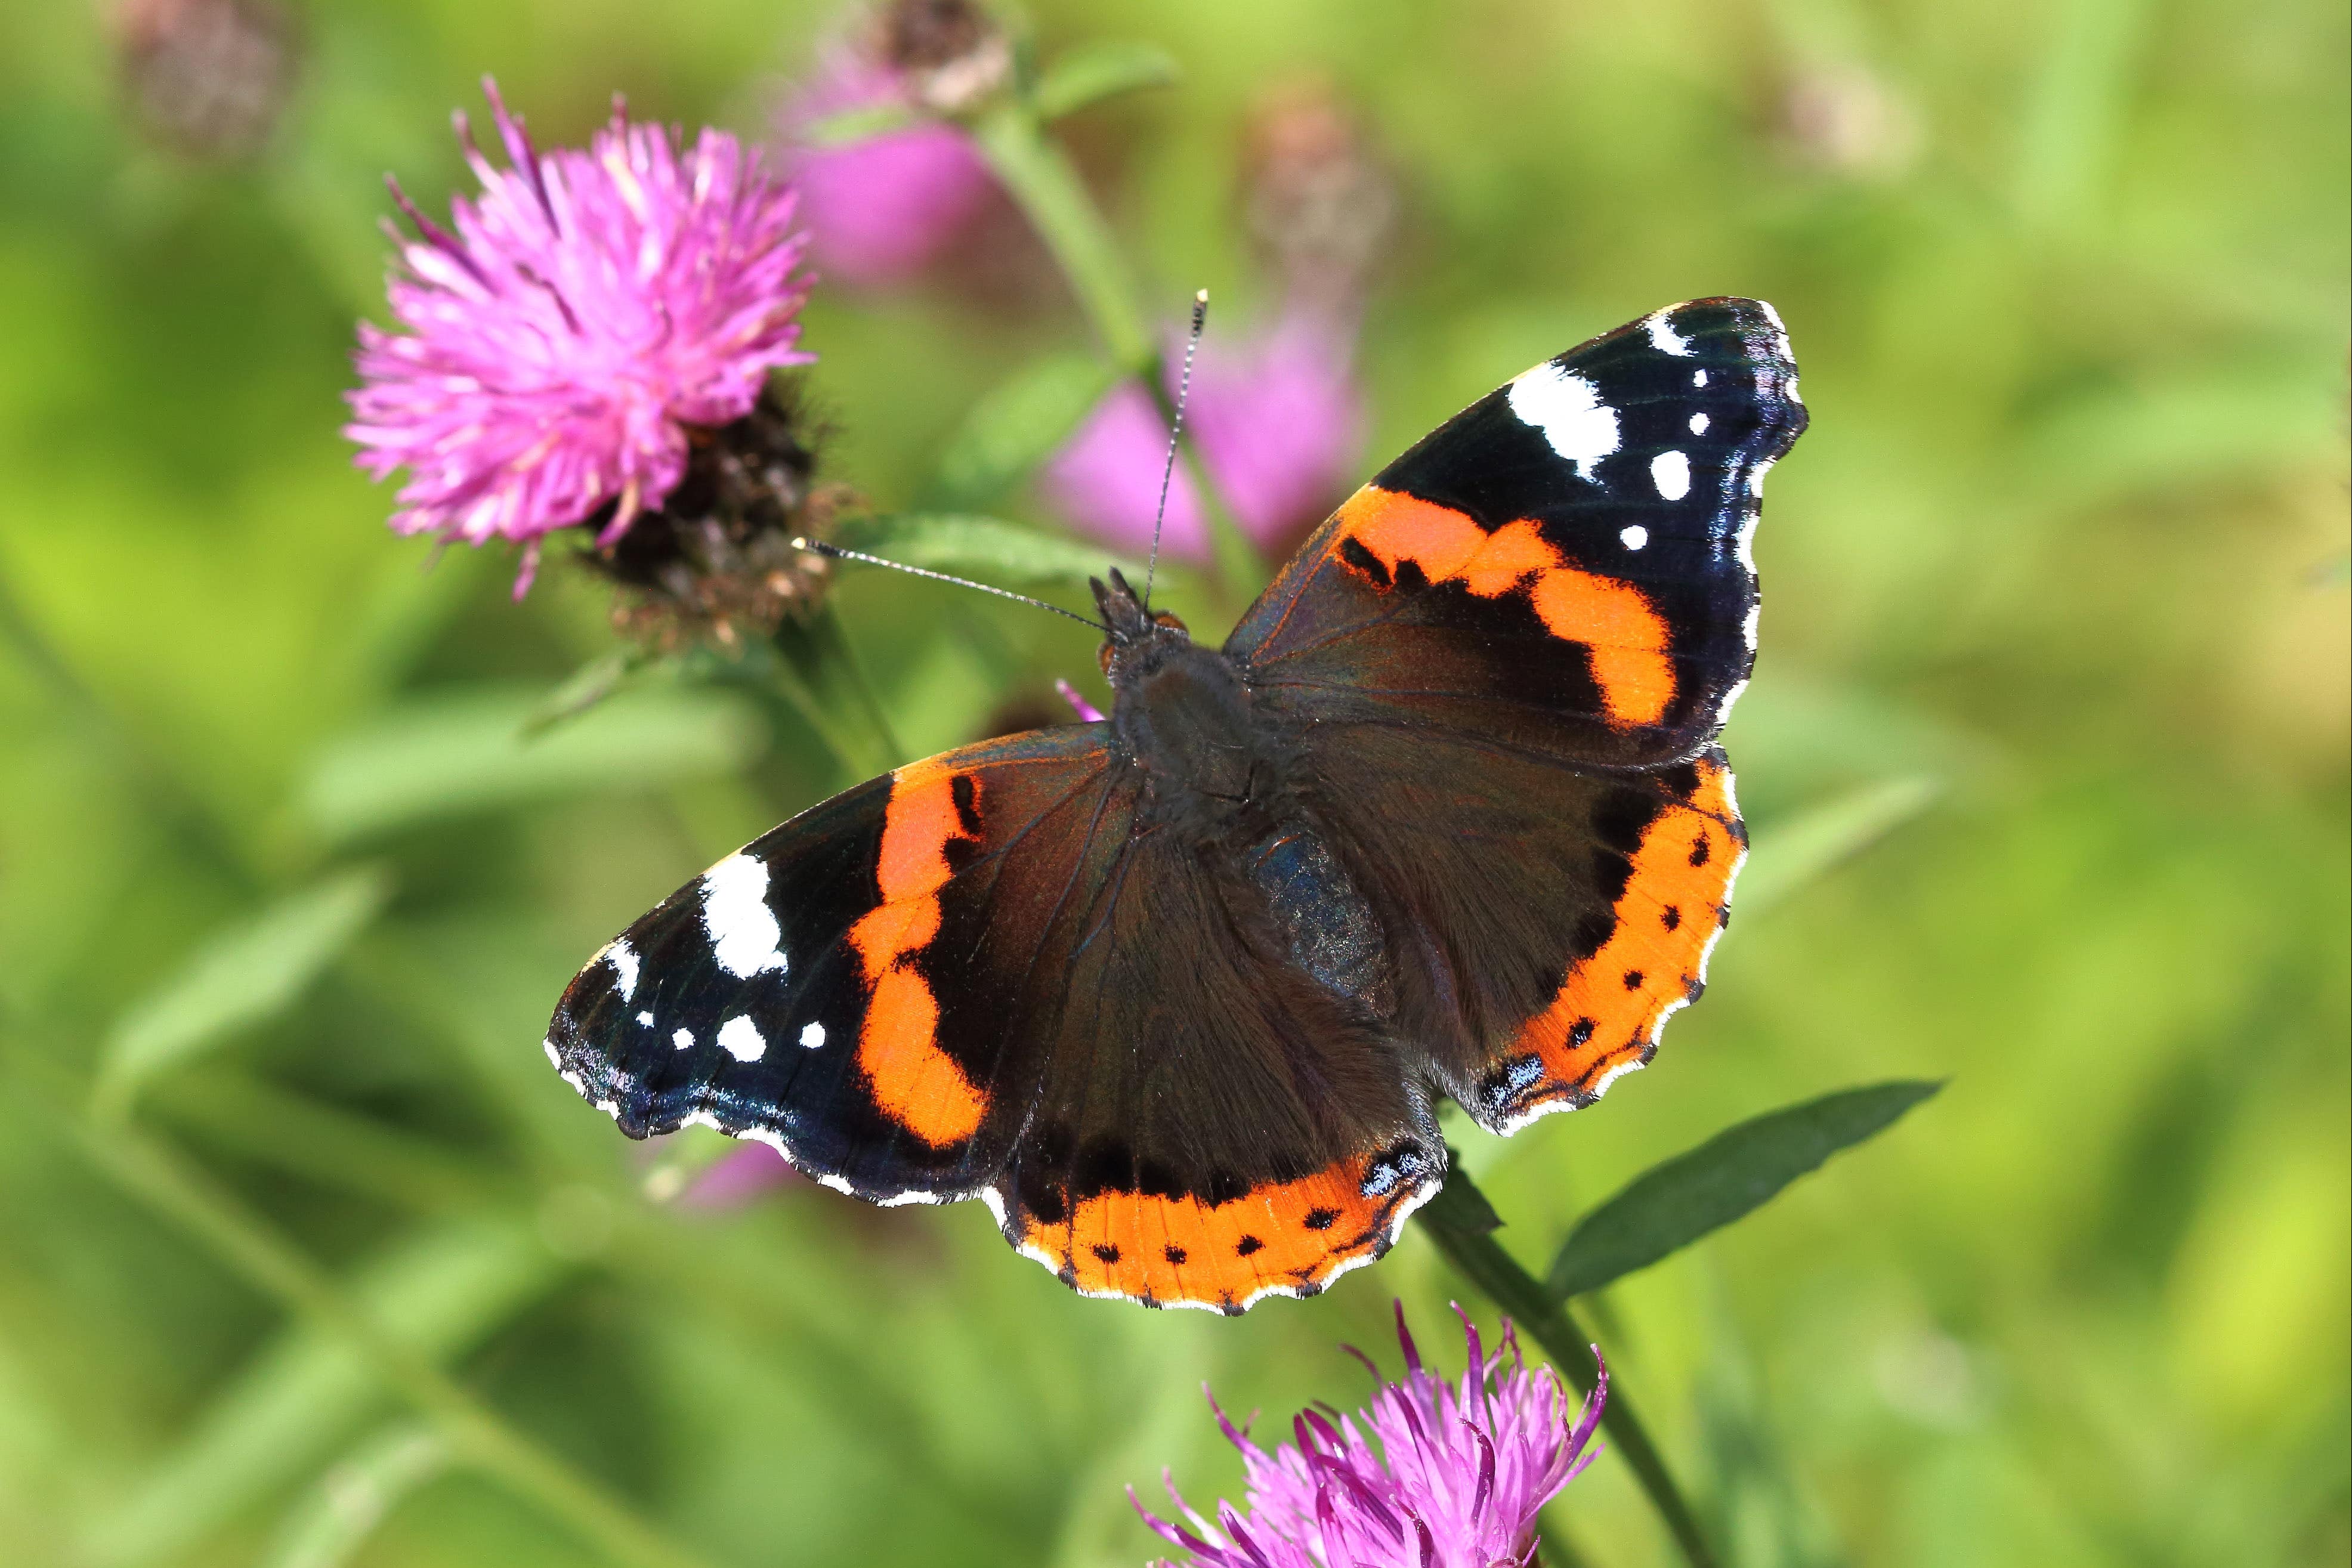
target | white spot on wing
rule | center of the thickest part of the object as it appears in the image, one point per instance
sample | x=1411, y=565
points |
x=1698, y=424
x=1664, y=336
x=682, y=1039
x=1635, y=537
x=553, y=1059
x=1698, y=378
x=623, y=959
x=1670, y=472
x=744, y=935
x=742, y=1040
x=1569, y=411
x=812, y=1036
x=644, y=1020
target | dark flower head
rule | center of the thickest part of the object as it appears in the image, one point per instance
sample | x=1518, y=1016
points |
x=952, y=54
x=209, y=76
x=716, y=559
x=590, y=313
x=1431, y=1473
x=1319, y=202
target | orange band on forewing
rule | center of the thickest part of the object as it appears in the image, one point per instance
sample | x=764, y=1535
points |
x=1670, y=910
x=1399, y=527
x=1616, y=621
x=920, y=820
x=914, y=1083
x=1626, y=634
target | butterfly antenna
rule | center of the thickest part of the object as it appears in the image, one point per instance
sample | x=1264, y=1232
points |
x=1175, y=433
x=835, y=552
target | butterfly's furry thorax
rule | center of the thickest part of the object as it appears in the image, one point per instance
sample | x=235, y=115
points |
x=1181, y=711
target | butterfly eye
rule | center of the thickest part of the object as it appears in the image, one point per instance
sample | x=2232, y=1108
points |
x=1103, y=657
x=1165, y=618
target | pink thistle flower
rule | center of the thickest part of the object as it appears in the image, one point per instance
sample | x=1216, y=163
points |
x=1456, y=1481
x=591, y=308
x=1278, y=425
x=882, y=207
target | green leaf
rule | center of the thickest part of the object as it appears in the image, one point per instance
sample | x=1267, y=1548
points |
x=860, y=124
x=1089, y=73
x=1671, y=1205
x=471, y=751
x=1002, y=554
x=1784, y=857
x=1015, y=427
x=242, y=976
x=443, y=1292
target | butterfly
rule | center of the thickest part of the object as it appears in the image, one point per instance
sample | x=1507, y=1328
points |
x=1175, y=993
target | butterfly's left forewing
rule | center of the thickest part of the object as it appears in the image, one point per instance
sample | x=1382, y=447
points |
x=789, y=993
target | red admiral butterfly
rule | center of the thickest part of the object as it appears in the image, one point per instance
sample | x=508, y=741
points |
x=1173, y=993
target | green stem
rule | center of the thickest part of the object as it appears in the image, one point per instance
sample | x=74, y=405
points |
x=150, y=1171
x=839, y=669
x=792, y=670
x=1046, y=186
x=1461, y=1224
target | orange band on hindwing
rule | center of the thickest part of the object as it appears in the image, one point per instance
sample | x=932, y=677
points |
x=1606, y=1015
x=1286, y=1236
x=915, y=1083
x=1628, y=639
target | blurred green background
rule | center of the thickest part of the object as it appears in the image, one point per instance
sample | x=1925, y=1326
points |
x=2046, y=759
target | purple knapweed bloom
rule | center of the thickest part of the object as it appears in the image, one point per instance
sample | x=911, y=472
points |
x=589, y=310
x=881, y=207
x=1456, y=1480
x=1277, y=424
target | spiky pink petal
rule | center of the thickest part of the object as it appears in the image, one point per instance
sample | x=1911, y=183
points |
x=1449, y=1475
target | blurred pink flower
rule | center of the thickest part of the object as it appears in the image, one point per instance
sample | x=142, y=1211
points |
x=881, y=207
x=1456, y=1483
x=739, y=1175
x=591, y=308
x=1279, y=424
